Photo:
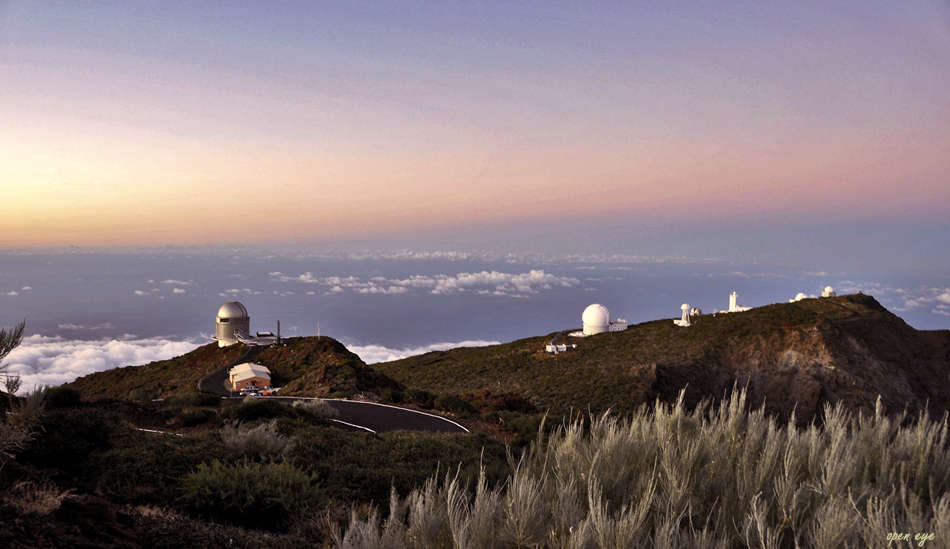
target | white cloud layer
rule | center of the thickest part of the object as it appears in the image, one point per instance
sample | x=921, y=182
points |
x=374, y=354
x=494, y=282
x=51, y=361
x=43, y=360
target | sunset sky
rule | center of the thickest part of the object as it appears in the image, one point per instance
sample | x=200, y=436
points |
x=476, y=123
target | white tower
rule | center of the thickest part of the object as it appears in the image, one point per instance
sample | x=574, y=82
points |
x=684, y=322
x=232, y=324
x=734, y=306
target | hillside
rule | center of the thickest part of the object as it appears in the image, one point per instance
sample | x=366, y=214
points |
x=305, y=366
x=795, y=356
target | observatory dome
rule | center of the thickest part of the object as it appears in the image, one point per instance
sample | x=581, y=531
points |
x=800, y=296
x=596, y=319
x=828, y=292
x=232, y=324
x=232, y=309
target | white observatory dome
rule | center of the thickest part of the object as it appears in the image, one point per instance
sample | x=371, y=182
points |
x=800, y=296
x=596, y=319
x=828, y=292
x=232, y=309
x=684, y=307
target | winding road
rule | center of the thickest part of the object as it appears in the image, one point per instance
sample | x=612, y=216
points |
x=379, y=418
x=367, y=416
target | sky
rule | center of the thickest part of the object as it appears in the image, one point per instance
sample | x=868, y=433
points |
x=745, y=130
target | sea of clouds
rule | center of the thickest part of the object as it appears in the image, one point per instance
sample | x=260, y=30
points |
x=482, y=283
x=50, y=361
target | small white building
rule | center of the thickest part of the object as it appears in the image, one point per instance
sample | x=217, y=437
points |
x=232, y=324
x=555, y=349
x=247, y=375
x=596, y=319
x=828, y=292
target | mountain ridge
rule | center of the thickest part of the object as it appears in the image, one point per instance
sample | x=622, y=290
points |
x=791, y=357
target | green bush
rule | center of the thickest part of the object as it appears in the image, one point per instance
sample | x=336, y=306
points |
x=451, y=403
x=250, y=494
x=194, y=399
x=67, y=437
x=316, y=408
x=257, y=408
x=143, y=395
x=262, y=442
x=187, y=416
x=62, y=397
x=392, y=396
x=361, y=467
x=147, y=468
x=421, y=398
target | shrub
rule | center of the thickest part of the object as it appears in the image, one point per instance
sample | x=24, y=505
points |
x=67, y=437
x=451, y=403
x=30, y=498
x=194, y=399
x=256, y=408
x=187, y=416
x=392, y=396
x=250, y=494
x=361, y=467
x=143, y=395
x=147, y=468
x=262, y=442
x=316, y=408
x=62, y=397
x=18, y=425
x=421, y=398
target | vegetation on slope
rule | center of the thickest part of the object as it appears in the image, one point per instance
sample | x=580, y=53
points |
x=302, y=366
x=791, y=356
x=157, y=379
x=84, y=475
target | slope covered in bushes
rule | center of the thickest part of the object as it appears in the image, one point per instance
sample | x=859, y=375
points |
x=791, y=356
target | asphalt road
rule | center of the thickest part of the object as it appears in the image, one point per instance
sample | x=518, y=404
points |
x=381, y=417
x=368, y=416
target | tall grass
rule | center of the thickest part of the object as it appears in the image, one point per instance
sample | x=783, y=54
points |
x=670, y=477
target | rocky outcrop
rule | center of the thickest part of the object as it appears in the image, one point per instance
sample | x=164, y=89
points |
x=793, y=357
x=850, y=359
